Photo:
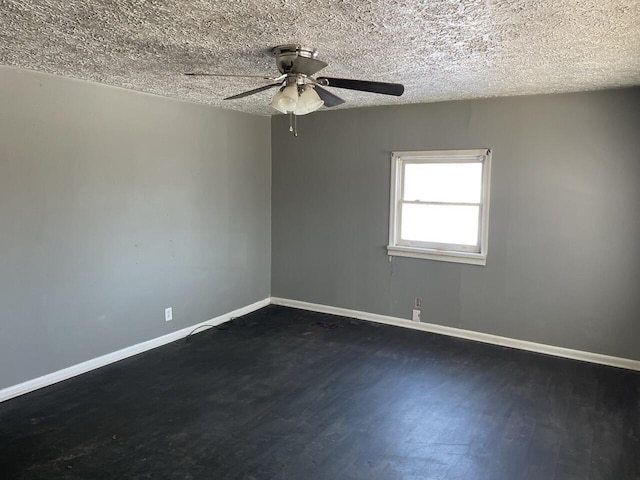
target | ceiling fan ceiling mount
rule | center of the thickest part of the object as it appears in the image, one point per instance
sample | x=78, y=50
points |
x=286, y=55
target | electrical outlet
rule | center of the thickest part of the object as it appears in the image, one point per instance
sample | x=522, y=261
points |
x=168, y=314
x=416, y=315
x=418, y=303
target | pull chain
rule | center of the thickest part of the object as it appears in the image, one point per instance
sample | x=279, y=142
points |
x=293, y=124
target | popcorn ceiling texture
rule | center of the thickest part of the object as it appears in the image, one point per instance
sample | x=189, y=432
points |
x=439, y=49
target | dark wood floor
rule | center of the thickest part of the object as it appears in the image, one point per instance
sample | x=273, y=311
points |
x=275, y=395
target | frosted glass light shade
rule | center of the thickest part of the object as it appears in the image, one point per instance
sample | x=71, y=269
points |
x=286, y=100
x=275, y=102
x=308, y=102
x=290, y=96
x=281, y=103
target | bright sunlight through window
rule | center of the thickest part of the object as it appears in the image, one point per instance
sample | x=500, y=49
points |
x=439, y=205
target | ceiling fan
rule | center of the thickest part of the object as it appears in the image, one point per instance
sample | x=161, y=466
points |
x=299, y=93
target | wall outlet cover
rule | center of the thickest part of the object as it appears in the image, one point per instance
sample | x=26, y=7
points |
x=168, y=314
x=416, y=315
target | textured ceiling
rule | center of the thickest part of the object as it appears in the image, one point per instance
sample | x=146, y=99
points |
x=440, y=49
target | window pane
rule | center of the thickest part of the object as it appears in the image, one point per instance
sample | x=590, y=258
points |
x=440, y=223
x=443, y=182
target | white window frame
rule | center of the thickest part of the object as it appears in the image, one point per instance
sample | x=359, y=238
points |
x=475, y=255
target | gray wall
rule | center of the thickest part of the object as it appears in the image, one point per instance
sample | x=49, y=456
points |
x=115, y=205
x=563, y=263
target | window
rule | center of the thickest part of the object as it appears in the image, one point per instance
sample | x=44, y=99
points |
x=440, y=205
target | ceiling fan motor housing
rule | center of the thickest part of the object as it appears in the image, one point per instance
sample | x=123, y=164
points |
x=287, y=54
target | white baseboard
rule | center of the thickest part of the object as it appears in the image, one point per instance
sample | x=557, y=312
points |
x=64, y=374
x=467, y=334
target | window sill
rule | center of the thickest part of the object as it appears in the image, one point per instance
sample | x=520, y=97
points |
x=441, y=256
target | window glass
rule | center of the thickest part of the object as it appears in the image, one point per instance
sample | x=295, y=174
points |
x=449, y=224
x=443, y=182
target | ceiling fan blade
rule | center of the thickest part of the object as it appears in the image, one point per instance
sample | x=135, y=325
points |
x=255, y=90
x=307, y=66
x=202, y=74
x=330, y=100
x=363, y=85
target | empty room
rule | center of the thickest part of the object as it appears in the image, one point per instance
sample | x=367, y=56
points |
x=332, y=239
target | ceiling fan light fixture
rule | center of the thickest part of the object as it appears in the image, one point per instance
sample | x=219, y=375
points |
x=300, y=92
x=289, y=98
x=278, y=102
x=308, y=102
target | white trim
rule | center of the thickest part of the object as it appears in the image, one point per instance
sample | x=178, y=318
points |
x=467, y=334
x=441, y=256
x=80, y=368
x=66, y=373
x=455, y=155
x=438, y=251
